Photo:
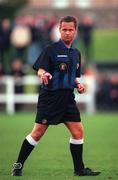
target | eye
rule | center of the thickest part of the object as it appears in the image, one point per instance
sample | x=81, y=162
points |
x=64, y=30
x=70, y=30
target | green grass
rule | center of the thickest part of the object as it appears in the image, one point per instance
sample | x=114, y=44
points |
x=51, y=159
x=105, y=44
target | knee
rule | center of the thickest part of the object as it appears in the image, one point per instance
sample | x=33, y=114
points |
x=37, y=134
x=78, y=133
x=38, y=131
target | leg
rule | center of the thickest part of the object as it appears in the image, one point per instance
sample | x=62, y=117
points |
x=38, y=131
x=76, y=129
x=76, y=148
x=28, y=145
x=76, y=144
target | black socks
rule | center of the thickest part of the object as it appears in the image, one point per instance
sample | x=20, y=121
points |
x=76, y=152
x=25, y=151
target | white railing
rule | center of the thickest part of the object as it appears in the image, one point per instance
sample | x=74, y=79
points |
x=10, y=98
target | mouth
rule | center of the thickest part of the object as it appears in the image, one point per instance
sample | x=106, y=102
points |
x=67, y=37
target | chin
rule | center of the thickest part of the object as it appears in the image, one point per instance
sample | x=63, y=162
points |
x=68, y=41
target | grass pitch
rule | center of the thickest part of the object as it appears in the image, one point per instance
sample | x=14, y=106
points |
x=105, y=43
x=51, y=159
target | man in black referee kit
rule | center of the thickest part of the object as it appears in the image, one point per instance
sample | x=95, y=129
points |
x=58, y=67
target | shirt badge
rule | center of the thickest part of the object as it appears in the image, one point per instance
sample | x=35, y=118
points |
x=62, y=66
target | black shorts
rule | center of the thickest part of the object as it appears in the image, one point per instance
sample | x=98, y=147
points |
x=56, y=107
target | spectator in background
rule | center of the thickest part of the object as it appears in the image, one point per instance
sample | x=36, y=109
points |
x=2, y=73
x=20, y=38
x=1, y=44
x=17, y=73
x=85, y=30
x=54, y=33
x=103, y=101
x=53, y=28
x=36, y=44
x=5, y=32
x=114, y=92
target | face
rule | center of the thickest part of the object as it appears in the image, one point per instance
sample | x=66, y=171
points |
x=67, y=31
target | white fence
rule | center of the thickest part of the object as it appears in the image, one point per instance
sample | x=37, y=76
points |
x=10, y=98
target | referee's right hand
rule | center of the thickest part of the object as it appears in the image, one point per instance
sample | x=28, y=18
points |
x=44, y=76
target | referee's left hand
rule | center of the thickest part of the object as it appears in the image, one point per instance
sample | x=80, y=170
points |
x=80, y=88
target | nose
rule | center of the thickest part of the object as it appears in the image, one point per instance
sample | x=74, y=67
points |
x=67, y=32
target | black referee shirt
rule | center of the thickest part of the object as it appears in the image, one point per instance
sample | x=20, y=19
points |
x=64, y=64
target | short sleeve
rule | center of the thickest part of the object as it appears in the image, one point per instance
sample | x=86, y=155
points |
x=43, y=60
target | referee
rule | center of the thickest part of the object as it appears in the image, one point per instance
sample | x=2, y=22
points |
x=58, y=67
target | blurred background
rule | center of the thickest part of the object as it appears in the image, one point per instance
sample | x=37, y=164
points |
x=27, y=26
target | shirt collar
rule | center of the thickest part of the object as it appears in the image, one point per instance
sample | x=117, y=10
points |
x=62, y=45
